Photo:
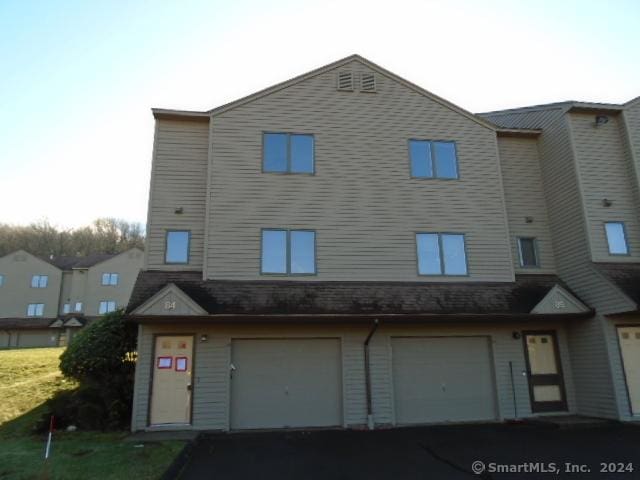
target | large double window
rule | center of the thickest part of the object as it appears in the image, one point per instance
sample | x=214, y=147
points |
x=35, y=310
x=441, y=254
x=288, y=252
x=110, y=279
x=433, y=159
x=287, y=153
x=107, y=306
x=39, y=281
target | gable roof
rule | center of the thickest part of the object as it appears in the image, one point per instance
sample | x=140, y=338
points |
x=164, y=113
x=40, y=259
x=67, y=262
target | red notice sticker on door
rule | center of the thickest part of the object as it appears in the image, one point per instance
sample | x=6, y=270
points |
x=181, y=364
x=165, y=362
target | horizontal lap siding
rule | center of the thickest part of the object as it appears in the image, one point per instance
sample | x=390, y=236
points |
x=632, y=132
x=524, y=196
x=361, y=200
x=604, y=168
x=178, y=179
x=211, y=367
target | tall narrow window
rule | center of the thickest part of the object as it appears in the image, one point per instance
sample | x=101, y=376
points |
x=430, y=159
x=288, y=252
x=177, y=248
x=1, y=280
x=66, y=308
x=441, y=254
x=528, y=251
x=35, y=310
x=287, y=153
x=77, y=307
x=616, y=238
x=39, y=281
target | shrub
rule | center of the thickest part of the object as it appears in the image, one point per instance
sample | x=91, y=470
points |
x=101, y=358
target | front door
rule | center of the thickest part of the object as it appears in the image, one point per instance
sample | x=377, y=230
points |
x=630, y=348
x=546, y=385
x=171, y=387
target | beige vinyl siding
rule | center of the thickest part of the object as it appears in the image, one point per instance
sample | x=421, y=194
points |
x=631, y=117
x=524, y=194
x=604, y=168
x=16, y=292
x=178, y=179
x=211, y=394
x=591, y=342
x=65, y=291
x=126, y=265
x=361, y=201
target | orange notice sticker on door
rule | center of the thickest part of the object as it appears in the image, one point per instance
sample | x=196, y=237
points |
x=182, y=345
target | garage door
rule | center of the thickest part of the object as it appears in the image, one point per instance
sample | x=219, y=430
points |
x=286, y=383
x=440, y=379
x=630, y=347
x=37, y=338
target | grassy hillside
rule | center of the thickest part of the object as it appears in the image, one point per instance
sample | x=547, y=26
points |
x=28, y=378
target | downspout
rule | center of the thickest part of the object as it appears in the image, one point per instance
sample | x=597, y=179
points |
x=367, y=375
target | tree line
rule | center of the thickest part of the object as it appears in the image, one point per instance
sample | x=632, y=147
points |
x=104, y=235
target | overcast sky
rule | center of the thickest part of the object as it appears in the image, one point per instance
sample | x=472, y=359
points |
x=78, y=78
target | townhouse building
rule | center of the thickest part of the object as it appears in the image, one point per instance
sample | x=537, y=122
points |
x=346, y=249
x=44, y=301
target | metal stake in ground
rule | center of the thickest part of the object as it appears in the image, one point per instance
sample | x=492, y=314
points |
x=47, y=450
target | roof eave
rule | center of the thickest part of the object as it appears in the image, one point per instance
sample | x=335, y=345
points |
x=167, y=114
x=519, y=132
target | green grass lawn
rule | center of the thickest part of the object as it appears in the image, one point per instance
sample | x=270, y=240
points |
x=28, y=378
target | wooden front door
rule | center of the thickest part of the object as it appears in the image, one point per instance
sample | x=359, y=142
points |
x=544, y=371
x=629, y=337
x=171, y=384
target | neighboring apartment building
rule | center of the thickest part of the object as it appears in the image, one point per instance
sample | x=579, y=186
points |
x=43, y=301
x=347, y=249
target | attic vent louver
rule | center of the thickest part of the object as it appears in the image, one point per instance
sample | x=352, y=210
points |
x=345, y=81
x=367, y=82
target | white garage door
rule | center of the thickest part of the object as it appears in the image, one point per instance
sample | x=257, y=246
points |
x=286, y=383
x=441, y=379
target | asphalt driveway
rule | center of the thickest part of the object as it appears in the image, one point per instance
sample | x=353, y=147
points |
x=436, y=452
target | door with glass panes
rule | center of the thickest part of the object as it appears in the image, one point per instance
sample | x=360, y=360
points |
x=544, y=372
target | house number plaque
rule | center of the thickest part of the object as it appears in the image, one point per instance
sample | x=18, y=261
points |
x=169, y=305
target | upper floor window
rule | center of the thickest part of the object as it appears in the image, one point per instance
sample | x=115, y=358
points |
x=66, y=308
x=616, y=238
x=441, y=254
x=77, y=307
x=39, y=281
x=431, y=159
x=35, y=310
x=1, y=280
x=106, y=306
x=110, y=279
x=528, y=252
x=287, y=153
x=288, y=252
x=177, y=248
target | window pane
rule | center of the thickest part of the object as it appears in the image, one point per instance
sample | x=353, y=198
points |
x=31, y=309
x=34, y=281
x=177, y=247
x=302, y=153
x=616, y=239
x=114, y=279
x=39, y=309
x=66, y=308
x=428, y=254
x=446, y=162
x=275, y=152
x=1, y=280
x=274, y=251
x=105, y=279
x=303, y=246
x=528, y=257
x=455, y=262
x=42, y=281
x=78, y=307
x=420, y=154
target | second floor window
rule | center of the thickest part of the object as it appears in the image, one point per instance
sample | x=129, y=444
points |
x=288, y=252
x=177, y=247
x=433, y=159
x=110, y=279
x=35, y=310
x=528, y=252
x=1, y=280
x=77, y=307
x=616, y=238
x=106, y=306
x=39, y=281
x=66, y=308
x=287, y=153
x=441, y=254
